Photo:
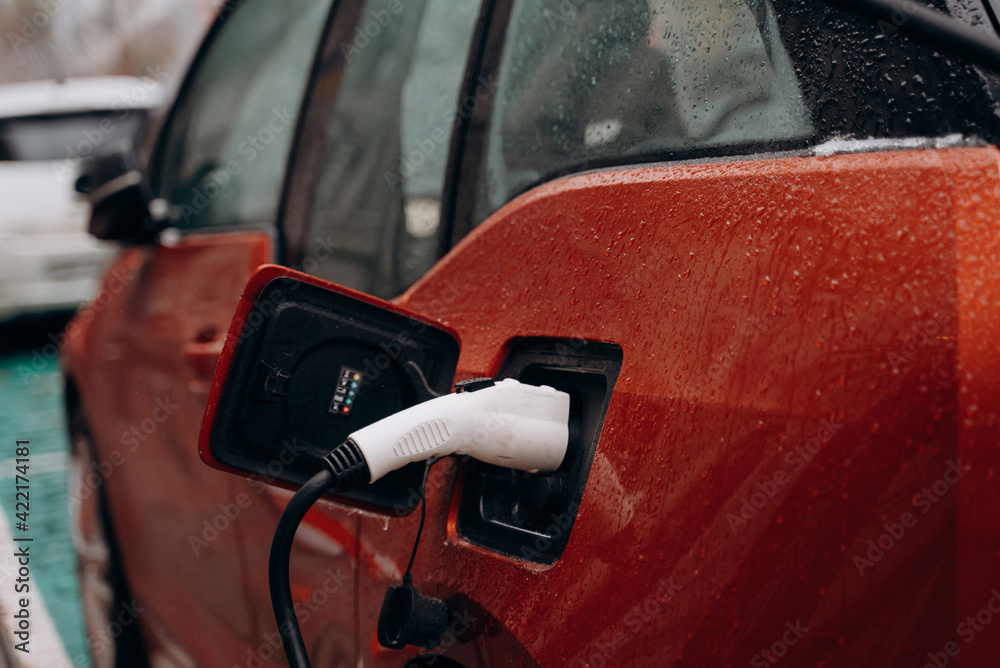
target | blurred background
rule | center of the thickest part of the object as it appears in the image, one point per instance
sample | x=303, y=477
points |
x=76, y=76
x=45, y=39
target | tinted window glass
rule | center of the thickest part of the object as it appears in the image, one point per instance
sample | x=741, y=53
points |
x=375, y=217
x=227, y=145
x=53, y=137
x=585, y=84
x=864, y=80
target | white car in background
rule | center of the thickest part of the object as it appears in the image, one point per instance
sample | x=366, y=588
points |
x=48, y=261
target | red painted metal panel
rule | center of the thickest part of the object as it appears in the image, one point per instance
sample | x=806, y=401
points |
x=808, y=345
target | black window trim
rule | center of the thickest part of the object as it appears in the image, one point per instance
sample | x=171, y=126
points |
x=473, y=134
x=155, y=157
x=450, y=233
x=306, y=156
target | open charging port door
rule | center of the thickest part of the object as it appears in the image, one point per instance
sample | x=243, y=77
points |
x=306, y=363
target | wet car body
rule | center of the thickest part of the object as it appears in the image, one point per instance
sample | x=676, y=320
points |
x=784, y=277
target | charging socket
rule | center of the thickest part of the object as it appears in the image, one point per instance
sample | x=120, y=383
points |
x=531, y=516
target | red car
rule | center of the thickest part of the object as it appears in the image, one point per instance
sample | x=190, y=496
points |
x=759, y=239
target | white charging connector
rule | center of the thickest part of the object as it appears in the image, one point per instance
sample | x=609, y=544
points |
x=510, y=424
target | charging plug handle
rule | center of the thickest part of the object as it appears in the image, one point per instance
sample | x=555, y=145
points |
x=510, y=424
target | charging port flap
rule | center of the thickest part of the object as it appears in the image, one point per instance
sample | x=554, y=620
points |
x=307, y=363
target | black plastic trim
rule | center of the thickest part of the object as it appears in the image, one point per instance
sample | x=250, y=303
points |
x=274, y=419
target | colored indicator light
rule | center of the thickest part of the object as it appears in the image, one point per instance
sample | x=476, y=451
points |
x=348, y=385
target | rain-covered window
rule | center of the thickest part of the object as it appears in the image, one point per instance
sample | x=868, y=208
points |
x=585, y=83
x=228, y=141
x=375, y=219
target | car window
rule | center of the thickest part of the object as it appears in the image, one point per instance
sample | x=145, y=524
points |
x=226, y=147
x=863, y=79
x=375, y=215
x=589, y=84
x=580, y=83
x=56, y=137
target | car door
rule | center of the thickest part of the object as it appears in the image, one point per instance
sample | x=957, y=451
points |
x=654, y=205
x=140, y=358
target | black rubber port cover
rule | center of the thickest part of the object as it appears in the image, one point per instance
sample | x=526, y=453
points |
x=306, y=364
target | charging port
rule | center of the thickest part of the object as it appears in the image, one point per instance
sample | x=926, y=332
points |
x=531, y=516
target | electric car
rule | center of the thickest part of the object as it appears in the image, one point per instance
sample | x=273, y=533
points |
x=755, y=241
x=48, y=262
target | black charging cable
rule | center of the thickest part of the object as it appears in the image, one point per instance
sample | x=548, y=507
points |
x=345, y=469
x=422, y=493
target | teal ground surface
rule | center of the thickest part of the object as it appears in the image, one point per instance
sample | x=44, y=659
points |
x=31, y=396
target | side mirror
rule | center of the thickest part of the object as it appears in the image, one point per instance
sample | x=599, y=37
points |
x=119, y=197
x=305, y=364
